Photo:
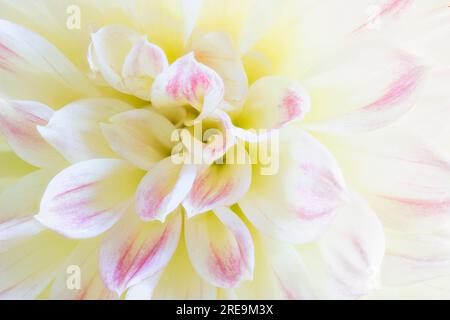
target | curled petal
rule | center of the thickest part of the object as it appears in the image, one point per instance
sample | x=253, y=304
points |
x=140, y=136
x=305, y=189
x=75, y=132
x=273, y=102
x=217, y=51
x=144, y=289
x=133, y=251
x=220, y=247
x=89, y=197
x=218, y=185
x=144, y=62
x=163, y=188
x=187, y=81
x=18, y=123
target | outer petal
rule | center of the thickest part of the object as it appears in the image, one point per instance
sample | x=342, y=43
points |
x=144, y=290
x=273, y=102
x=133, y=251
x=163, y=189
x=75, y=132
x=28, y=268
x=140, y=136
x=297, y=201
x=351, y=252
x=18, y=122
x=405, y=75
x=31, y=68
x=220, y=247
x=20, y=202
x=84, y=257
x=217, y=51
x=187, y=81
x=218, y=185
x=87, y=198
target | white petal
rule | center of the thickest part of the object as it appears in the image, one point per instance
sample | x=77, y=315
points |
x=144, y=289
x=75, y=132
x=220, y=247
x=295, y=199
x=133, y=251
x=89, y=197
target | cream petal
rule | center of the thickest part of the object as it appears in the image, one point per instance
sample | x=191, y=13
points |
x=191, y=11
x=18, y=123
x=20, y=202
x=176, y=285
x=75, y=132
x=220, y=247
x=133, y=251
x=140, y=136
x=273, y=102
x=29, y=61
x=29, y=267
x=89, y=197
x=83, y=259
x=295, y=201
x=217, y=51
x=144, y=289
x=163, y=188
x=187, y=81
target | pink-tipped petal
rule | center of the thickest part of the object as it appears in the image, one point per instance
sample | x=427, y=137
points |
x=218, y=185
x=296, y=201
x=273, y=102
x=133, y=251
x=144, y=62
x=187, y=81
x=220, y=247
x=163, y=188
x=89, y=197
x=18, y=124
x=217, y=51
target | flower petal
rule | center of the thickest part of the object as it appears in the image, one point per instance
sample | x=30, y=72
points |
x=133, y=251
x=351, y=253
x=187, y=81
x=89, y=197
x=144, y=62
x=20, y=202
x=29, y=61
x=176, y=285
x=305, y=190
x=18, y=122
x=163, y=188
x=75, y=132
x=28, y=268
x=220, y=247
x=140, y=136
x=144, y=289
x=191, y=12
x=218, y=185
x=273, y=102
x=85, y=260
x=217, y=51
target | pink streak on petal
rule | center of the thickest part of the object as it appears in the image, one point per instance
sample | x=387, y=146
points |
x=392, y=6
x=225, y=265
x=423, y=207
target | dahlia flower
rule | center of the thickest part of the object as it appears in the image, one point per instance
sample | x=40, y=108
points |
x=224, y=149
